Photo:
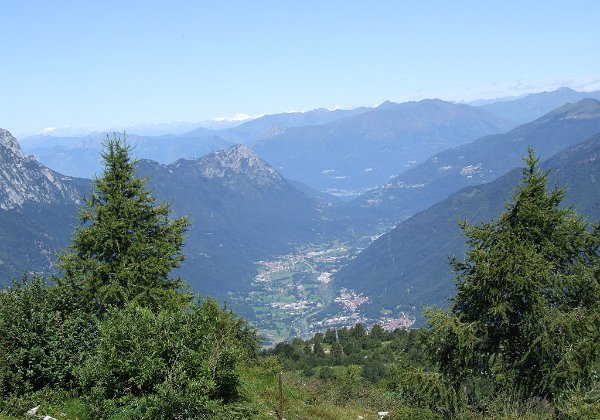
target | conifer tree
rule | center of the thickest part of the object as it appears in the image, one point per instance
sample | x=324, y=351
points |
x=526, y=309
x=126, y=246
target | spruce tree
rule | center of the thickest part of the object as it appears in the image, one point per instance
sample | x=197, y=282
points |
x=126, y=245
x=526, y=307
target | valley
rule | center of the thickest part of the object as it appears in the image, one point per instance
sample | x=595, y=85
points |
x=305, y=210
x=293, y=295
x=291, y=258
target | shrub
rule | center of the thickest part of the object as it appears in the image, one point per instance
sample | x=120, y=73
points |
x=175, y=362
x=374, y=369
x=417, y=388
x=326, y=374
x=45, y=337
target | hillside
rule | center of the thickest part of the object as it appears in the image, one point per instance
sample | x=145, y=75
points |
x=37, y=209
x=355, y=153
x=477, y=162
x=408, y=267
x=241, y=210
x=534, y=105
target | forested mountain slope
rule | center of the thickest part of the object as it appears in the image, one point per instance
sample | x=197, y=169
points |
x=363, y=151
x=480, y=161
x=408, y=267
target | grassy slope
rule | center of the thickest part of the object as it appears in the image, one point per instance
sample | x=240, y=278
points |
x=308, y=398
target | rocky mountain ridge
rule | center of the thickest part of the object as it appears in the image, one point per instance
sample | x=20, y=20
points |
x=231, y=163
x=23, y=179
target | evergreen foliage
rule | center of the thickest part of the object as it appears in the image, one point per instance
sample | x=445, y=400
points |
x=170, y=364
x=372, y=350
x=117, y=337
x=44, y=337
x=525, y=315
x=126, y=246
x=522, y=339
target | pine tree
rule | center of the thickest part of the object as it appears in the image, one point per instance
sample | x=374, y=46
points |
x=125, y=246
x=527, y=296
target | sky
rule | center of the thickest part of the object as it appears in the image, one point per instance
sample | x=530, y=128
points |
x=99, y=64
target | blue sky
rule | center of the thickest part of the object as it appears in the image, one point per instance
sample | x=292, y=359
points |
x=110, y=63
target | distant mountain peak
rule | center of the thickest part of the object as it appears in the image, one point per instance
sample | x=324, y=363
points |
x=236, y=155
x=24, y=179
x=234, y=162
x=10, y=144
x=387, y=105
x=565, y=89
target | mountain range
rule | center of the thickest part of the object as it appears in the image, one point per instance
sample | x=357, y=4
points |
x=80, y=155
x=242, y=210
x=407, y=268
x=350, y=155
x=530, y=107
x=480, y=161
x=341, y=151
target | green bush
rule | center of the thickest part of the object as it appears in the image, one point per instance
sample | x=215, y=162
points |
x=374, y=369
x=581, y=403
x=326, y=374
x=348, y=383
x=44, y=337
x=428, y=390
x=170, y=364
x=52, y=402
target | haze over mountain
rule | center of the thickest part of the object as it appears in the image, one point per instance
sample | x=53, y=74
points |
x=267, y=126
x=342, y=151
x=532, y=106
x=480, y=161
x=363, y=151
x=408, y=268
x=80, y=155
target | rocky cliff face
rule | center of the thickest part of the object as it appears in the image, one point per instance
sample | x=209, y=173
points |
x=38, y=209
x=232, y=165
x=23, y=179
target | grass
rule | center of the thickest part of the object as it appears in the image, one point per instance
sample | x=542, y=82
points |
x=302, y=399
x=308, y=398
x=58, y=404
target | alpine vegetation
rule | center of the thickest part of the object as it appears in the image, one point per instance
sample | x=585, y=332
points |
x=115, y=332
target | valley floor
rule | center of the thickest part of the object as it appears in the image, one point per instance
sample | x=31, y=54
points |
x=293, y=296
